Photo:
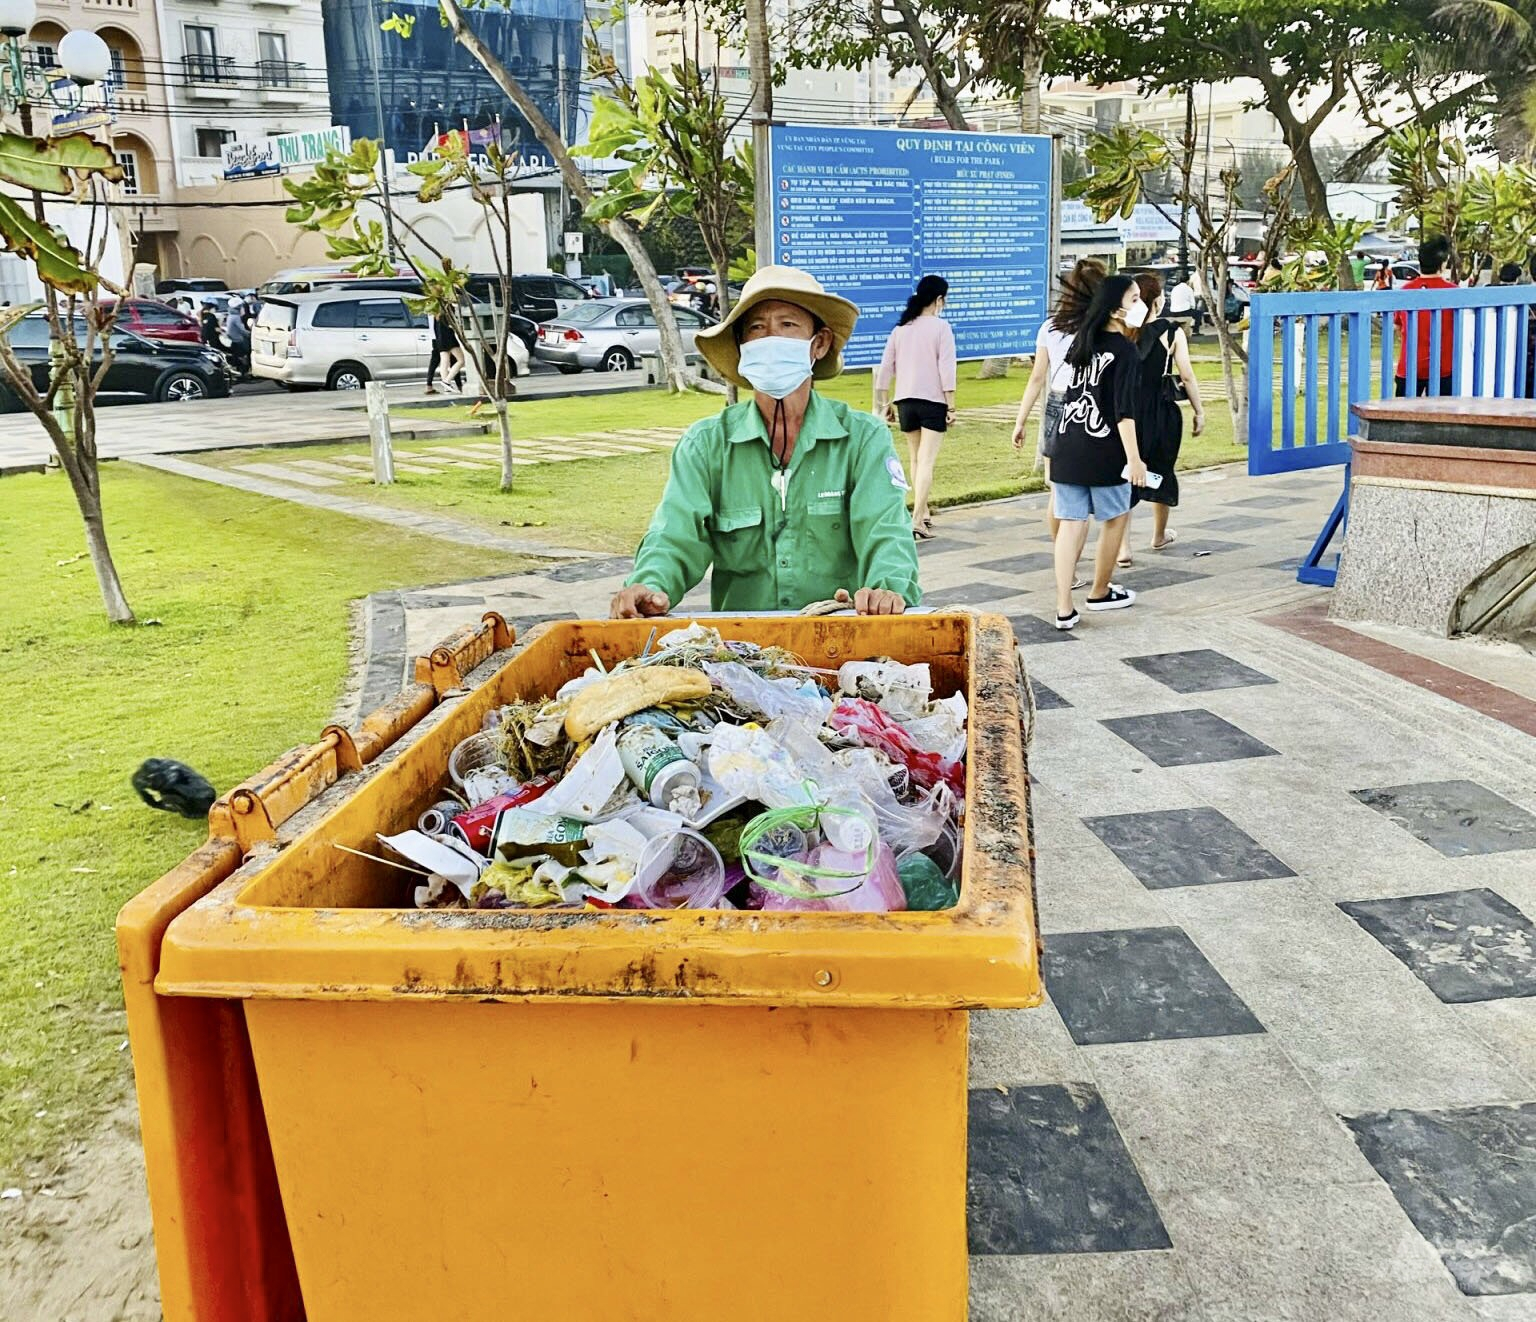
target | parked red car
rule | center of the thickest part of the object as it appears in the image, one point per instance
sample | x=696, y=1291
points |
x=156, y=320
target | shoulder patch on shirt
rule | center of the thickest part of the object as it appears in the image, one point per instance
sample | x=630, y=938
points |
x=898, y=476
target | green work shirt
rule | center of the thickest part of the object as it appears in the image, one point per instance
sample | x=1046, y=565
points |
x=842, y=521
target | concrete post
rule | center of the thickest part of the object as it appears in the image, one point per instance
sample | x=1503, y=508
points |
x=378, y=434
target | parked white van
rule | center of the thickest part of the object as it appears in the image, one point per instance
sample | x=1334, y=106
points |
x=341, y=338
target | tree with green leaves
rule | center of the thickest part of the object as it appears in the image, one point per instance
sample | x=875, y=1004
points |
x=1121, y=163
x=80, y=327
x=683, y=152
x=1307, y=57
x=327, y=202
x=1487, y=212
x=454, y=15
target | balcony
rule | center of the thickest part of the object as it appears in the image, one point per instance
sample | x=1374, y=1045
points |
x=112, y=6
x=143, y=213
x=210, y=78
x=283, y=83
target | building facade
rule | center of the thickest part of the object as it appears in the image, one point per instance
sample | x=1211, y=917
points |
x=239, y=69
x=141, y=132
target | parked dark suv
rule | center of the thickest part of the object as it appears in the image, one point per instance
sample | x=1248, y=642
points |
x=543, y=297
x=166, y=370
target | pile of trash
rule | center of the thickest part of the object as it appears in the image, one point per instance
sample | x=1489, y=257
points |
x=705, y=773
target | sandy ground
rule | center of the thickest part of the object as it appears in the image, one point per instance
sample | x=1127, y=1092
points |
x=76, y=1246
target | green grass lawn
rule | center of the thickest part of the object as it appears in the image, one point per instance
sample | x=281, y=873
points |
x=606, y=503
x=249, y=658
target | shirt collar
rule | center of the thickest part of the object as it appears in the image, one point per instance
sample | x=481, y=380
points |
x=744, y=422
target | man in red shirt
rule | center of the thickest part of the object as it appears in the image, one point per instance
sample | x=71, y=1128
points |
x=1433, y=254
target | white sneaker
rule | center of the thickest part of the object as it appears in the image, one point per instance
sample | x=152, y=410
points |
x=1116, y=599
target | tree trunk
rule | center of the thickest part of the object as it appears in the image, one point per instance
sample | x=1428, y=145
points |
x=723, y=293
x=1031, y=68
x=673, y=358
x=86, y=487
x=504, y=430
x=1316, y=192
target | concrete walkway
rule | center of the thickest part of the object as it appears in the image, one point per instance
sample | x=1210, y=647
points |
x=270, y=418
x=428, y=525
x=1286, y=876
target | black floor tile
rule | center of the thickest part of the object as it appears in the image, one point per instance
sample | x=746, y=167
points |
x=1049, y=1173
x=1270, y=502
x=1047, y=699
x=1028, y=629
x=1200, y=671
x=941, y=542
x=970, y=594
x=580, y=571
x=1456, y=817
x=1467, y=1180
x=1470, y=945
x=1184, y=738
x=1033, y=563
x=1237, y=523
x=1185, y=847
x=1147, y=578
x=1140, y=984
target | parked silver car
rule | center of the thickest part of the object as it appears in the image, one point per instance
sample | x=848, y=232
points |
x=609, y=334
x=340, y=338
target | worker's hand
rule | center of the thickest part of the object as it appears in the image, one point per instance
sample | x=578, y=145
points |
x=890, y=413
x=1018, y=436
x=1138, y=474
x=949, y=415
x=1199, y=425
x=637, y=601
x=873, y=601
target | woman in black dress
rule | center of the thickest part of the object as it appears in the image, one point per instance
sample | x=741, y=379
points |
x=1165, y=368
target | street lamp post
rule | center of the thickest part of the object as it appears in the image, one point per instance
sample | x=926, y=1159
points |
x=85, y=60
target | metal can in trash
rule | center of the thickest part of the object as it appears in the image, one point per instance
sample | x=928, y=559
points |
x=476, y=826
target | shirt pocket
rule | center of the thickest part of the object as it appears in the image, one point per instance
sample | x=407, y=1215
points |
x=738, y=539
x=827, y=513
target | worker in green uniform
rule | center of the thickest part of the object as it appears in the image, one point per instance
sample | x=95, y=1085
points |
x=790, y=496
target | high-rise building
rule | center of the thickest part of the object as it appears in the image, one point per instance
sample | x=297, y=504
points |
x=409, y=90
x=239, y=69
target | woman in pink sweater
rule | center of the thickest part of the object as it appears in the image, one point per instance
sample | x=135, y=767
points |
x=920, y=359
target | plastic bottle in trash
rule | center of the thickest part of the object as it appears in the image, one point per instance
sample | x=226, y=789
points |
x=658, y=768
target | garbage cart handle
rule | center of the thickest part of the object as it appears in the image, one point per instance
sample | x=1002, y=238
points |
x=250, y=813
x=445, y=667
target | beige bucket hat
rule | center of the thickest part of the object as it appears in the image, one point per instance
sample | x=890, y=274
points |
x=786, y=284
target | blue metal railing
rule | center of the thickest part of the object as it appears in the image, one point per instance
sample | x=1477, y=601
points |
x=1488, y=331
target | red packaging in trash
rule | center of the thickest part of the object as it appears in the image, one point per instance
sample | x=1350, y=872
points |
x=874, y=729
x=477, y=826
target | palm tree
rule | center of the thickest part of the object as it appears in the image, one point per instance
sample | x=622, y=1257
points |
x=1497, y=38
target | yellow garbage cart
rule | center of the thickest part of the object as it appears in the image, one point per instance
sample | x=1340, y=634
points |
x=354, y=1109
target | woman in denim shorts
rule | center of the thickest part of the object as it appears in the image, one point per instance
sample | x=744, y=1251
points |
x=1095, y=458
x=1051, y=375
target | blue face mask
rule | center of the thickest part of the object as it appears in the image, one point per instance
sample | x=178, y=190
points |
x=775, y=364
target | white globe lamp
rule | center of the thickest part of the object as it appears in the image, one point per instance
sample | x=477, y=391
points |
x=17, y=17
x=84, y=57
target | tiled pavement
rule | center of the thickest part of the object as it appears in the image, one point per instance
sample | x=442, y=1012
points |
x=1288, y=1068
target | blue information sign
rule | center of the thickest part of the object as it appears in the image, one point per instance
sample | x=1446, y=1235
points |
x=868, y=211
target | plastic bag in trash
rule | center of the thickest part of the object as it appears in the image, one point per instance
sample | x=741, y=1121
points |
x=941, y=728
x=770, y=698
x=926, y=887
x=876, y=890
x=871, y=726
x=904, y=691
x=753, y=764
